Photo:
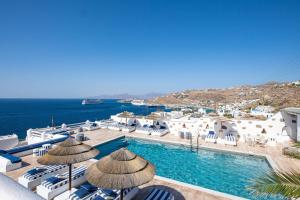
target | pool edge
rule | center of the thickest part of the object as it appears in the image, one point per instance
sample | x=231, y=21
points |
x=201, y=189
x=268, y=158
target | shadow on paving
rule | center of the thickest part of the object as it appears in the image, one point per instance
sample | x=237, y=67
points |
x=143, y=193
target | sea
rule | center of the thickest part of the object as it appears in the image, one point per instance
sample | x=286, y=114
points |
x=18, y=115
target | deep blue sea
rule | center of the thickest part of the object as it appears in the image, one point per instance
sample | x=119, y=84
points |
x=18, y=115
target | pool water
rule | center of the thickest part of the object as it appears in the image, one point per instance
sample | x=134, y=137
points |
x=225, y=172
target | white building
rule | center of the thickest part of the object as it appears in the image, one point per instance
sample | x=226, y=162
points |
x=291, y=118
x=266, y=111
x=272, y=130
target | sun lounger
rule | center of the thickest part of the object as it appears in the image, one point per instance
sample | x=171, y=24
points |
x=128, y=129
x=144, y=130
x=34, y=177
x=114, y=126
x=159, y=194
x=90, y=126
x=86, y=191
x=159, y=132
x=58, y=184
x=230, y=139
x=211, y=137
x=104, y=123
x=128, y=194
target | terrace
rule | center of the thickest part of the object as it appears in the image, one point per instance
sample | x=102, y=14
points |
x=180, y=190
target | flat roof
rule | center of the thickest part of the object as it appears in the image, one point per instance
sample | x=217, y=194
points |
x=292, y=110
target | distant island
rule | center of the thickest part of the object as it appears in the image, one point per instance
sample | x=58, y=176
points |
x=126, y=96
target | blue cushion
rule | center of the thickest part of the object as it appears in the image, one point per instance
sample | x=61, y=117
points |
x=211, y=132
x=110, y=193
x=54, y=180
x=2, y=151
x=36, y=171
x=87, y=186
x=99, y=198
x=12, y=158
x=81, y=193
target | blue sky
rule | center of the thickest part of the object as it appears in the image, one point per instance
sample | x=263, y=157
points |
x=85, y=48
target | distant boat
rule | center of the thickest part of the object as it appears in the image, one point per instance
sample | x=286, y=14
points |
x=138, y=102
x=8, y=141
x=124, y=101
x=91, y=101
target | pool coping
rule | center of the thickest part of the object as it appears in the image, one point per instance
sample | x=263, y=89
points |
x=270, y=161
x=108, y=140
x=201, y=189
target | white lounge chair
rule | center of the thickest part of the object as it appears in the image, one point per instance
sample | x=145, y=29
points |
x=128, y=194
x=230, y=139
x=114, y=126
x=86, y=191
x=104, y=123
x=211, y=137
x=159, y=132
x=159, y=194
x=144, y=130
x=58, y=184
x=90, y=126
x=34, y=177
x=128, y=129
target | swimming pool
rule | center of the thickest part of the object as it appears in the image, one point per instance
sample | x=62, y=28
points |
x=221, y=171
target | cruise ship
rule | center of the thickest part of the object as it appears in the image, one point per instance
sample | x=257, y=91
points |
x=138, y=102
x=91, y=101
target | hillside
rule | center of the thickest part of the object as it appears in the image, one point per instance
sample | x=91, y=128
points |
x=278, y=95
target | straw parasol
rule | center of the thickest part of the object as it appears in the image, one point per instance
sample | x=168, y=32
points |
x=126, y=115
x=153, y=117
x=68, y=152
x=120, y=170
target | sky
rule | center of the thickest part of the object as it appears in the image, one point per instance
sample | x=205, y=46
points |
x=72, y=48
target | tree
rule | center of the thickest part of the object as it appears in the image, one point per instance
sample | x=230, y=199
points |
x=284, y=183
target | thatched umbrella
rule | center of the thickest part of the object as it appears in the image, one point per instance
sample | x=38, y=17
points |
x=120, y=170
x=68, y=152
x=126, y=115
x=153, y=117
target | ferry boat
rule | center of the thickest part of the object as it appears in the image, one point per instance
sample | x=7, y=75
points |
x=91, y=101
x=138, y=102
x=8, y=141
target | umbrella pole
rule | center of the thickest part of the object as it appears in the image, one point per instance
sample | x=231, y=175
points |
x=70, y=177
x=121, y=194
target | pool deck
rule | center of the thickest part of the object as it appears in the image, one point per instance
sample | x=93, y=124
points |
x=181, y=191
